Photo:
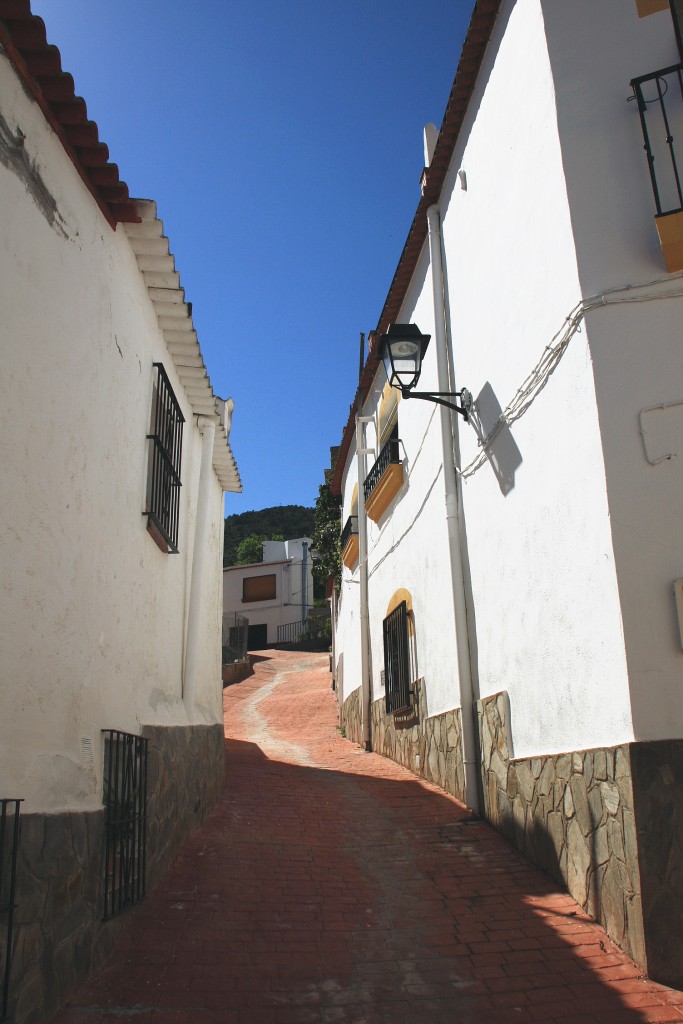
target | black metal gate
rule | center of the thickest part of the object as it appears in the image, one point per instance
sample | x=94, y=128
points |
x=125, y=801
x=9, y=845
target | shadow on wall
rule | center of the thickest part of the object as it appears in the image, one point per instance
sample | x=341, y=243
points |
x=503, y=454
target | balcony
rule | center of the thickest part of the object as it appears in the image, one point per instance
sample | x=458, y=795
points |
x=349, y=542
x=384, y=480
x=659, y=97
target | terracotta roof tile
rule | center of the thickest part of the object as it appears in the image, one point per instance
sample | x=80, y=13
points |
x=23, y=37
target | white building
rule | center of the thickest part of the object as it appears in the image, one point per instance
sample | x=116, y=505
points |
x=275, y=595
x=527, y=599
x=115, y=457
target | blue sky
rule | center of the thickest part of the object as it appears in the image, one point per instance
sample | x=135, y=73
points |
x=282, y=142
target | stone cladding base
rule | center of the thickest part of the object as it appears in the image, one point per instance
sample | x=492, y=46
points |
x=428, y=747
x=59, y=935
x=608, y=823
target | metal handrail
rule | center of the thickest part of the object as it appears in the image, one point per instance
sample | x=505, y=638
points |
x=658, y=143
x=389, y=455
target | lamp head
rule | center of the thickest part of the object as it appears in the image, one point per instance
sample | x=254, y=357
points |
x=402, y=349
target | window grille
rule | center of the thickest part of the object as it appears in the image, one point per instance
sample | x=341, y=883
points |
x=396, y=660
x=125, y=801
x=9, y=844
x=166, y=443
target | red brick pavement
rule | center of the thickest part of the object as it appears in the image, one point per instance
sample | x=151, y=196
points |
x=332, y=886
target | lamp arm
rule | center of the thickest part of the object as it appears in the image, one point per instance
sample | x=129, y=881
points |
x=436, y=396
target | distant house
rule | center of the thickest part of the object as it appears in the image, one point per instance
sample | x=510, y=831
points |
x=115, y=457
x=508, y=624
x=275, y=595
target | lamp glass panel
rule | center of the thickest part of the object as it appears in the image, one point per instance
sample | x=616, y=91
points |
x=405, y=360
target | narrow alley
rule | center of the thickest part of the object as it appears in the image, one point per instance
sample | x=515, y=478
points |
x=332, y=886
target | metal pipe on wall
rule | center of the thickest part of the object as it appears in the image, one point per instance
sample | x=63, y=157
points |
x=197, y=582
x=454, y=522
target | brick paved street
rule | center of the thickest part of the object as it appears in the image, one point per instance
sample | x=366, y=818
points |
x=332, y=886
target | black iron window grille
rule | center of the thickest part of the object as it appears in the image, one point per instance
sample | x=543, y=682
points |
x=125, y=802
x=350, y=530
x=9, y=845
x=659, y=97
x=389, y=455
x=166, y=444
x=396, y=660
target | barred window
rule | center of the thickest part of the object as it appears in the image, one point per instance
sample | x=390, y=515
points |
x=396, y=659
x=165, y=453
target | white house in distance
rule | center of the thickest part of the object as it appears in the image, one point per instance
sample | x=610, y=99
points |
x=115, y=457
x=275, y=595
x=508, y=622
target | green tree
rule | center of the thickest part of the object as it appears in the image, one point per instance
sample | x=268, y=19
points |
x=250, y=549
x=325, y=537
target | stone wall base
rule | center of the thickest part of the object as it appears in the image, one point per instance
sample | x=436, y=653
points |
x=428, y=747
x=608, y=823
x=236, y=671
x=350, y=721
x=59, y=935
x=572, y=814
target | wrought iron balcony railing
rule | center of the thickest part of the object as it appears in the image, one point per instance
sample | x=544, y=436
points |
x=349, y=531
x=389, y=455
x=659, y=97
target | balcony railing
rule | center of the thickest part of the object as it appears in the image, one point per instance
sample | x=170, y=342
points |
x=389, y=455
x=348, y=542
x=349, y=531
x=659, y=97
x=384, y=480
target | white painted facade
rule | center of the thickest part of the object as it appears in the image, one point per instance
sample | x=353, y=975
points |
x=572, y=537
x=94, y=615
x=290, y=562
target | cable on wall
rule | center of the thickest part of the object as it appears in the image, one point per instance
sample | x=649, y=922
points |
x=539, y=376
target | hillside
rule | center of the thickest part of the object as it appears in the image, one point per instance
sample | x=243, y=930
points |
x=288, y=520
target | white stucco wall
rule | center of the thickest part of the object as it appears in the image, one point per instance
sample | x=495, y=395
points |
x=92, y=612
x=635, y=347
x=545, y=593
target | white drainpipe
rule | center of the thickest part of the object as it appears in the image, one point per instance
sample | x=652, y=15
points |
x=453, y=494
x=194, y=618
x=366, y=697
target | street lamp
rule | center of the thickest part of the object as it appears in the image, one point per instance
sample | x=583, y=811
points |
x=402, y=349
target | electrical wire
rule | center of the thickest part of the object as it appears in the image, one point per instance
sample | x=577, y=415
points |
x=539, y=376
